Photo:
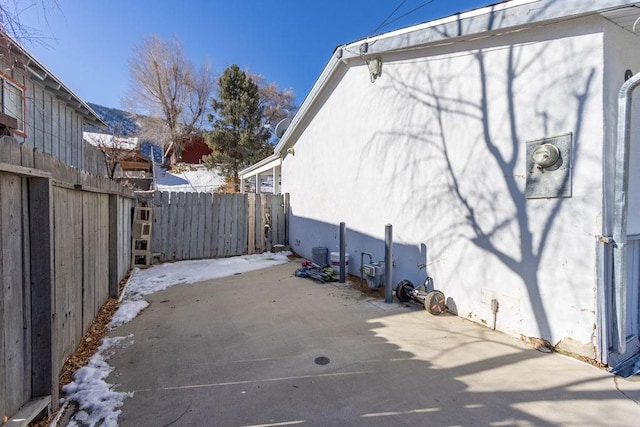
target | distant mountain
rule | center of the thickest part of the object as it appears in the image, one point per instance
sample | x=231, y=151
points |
x=120, y=122
x=123, y=123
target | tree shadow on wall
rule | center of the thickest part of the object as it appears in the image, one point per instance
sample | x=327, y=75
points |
x=487, y=213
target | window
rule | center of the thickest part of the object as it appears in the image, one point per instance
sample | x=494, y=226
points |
x=12, y=102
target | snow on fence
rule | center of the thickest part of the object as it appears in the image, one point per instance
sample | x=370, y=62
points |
x=205, y=225
x=65, y=242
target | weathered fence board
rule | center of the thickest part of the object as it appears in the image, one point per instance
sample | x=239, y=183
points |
x=57, y=253
x=204, y=225
x=13, y=293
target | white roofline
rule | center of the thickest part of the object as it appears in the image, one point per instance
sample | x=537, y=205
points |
x=263, y=165
x=455, y=27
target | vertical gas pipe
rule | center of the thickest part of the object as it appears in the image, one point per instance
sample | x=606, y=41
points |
x=388, y=263
x=343, y=243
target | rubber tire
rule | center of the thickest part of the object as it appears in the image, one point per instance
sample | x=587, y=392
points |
x=400, y=290
x=435, y=303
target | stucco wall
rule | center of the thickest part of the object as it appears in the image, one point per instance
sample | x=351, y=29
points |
x=436, y=147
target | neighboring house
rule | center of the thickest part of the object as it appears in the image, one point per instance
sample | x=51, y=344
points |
x=488, y=140
x=123, y=157
x=40, y=110
x=192, y=152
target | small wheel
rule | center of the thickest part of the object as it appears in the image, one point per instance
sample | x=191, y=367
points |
x=435, y=303
x=403, y=290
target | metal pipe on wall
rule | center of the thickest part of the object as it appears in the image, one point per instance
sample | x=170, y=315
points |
x=620, y=209
x=388, y=263
x=343, y=244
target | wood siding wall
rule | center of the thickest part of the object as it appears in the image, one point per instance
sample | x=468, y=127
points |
x=53, y=125
x=62, y=254
x=204, y=225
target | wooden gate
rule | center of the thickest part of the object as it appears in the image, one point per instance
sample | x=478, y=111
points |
x=205, y=225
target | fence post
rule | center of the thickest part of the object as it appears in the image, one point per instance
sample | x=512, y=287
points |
x=43, y=335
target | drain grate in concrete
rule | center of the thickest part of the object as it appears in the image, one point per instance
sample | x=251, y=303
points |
x=321, y=360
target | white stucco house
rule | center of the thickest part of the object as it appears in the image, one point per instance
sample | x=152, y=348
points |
x=488, y=139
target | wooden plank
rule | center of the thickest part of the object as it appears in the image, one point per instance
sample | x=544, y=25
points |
x=89, y=243
x=102, y=255
x=3, y=252
x=173, y=227
x=29, y=411
x=251, y=223
x=10, y=151
x=26, y=155
x=232, y=224
x=23, y=171
x=48, y=125
x=13, y=291
x=207, y=205
x=55, y=128
x=242, y=224
x=182, y=227
x=191, y=229
x=114, y=250
x=156, y=231
x=263, y=221
x=202, y=207
x=165, y=225
x=227, y=217
x=38, y=118
x=42, y=289
x=219, y=208
x=59, y=274
x=26, y=280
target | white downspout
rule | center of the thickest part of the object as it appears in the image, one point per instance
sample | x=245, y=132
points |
x=620, y=209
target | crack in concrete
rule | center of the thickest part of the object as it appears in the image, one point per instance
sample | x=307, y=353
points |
x=615, y=381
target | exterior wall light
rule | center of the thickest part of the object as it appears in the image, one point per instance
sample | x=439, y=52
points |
x=375, y=68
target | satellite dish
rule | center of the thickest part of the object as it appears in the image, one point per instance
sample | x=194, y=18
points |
x=282, y=126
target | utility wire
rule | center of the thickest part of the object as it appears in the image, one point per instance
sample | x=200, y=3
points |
x=387, y=20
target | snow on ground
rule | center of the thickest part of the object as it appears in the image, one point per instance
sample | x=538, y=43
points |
x=192, y=178
x=99, y=403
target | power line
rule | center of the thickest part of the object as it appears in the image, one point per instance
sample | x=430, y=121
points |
x=387, y=20
x=411, y=11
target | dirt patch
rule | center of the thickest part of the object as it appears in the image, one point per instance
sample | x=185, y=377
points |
x=361, y=285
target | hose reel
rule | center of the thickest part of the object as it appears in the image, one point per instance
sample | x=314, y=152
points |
x=433, y=301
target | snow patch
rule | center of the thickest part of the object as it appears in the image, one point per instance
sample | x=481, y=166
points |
x=98, y=403
x=196, y=178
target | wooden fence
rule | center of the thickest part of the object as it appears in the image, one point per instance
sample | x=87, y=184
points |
x=205, y=225
x=65, y=242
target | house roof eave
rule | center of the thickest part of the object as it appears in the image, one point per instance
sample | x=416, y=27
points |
x=52, y=83
x=497, y=17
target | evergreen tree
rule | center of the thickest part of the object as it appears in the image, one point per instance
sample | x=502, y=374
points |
x=238, y=137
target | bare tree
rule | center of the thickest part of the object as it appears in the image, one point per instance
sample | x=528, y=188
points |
x=276, y=104
x=11, y=24
x=115, y=148
x=166, y=87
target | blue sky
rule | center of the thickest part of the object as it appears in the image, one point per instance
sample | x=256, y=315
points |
x=87, y=43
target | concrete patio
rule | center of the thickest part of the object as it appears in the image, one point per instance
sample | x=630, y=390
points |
x=265, y=348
